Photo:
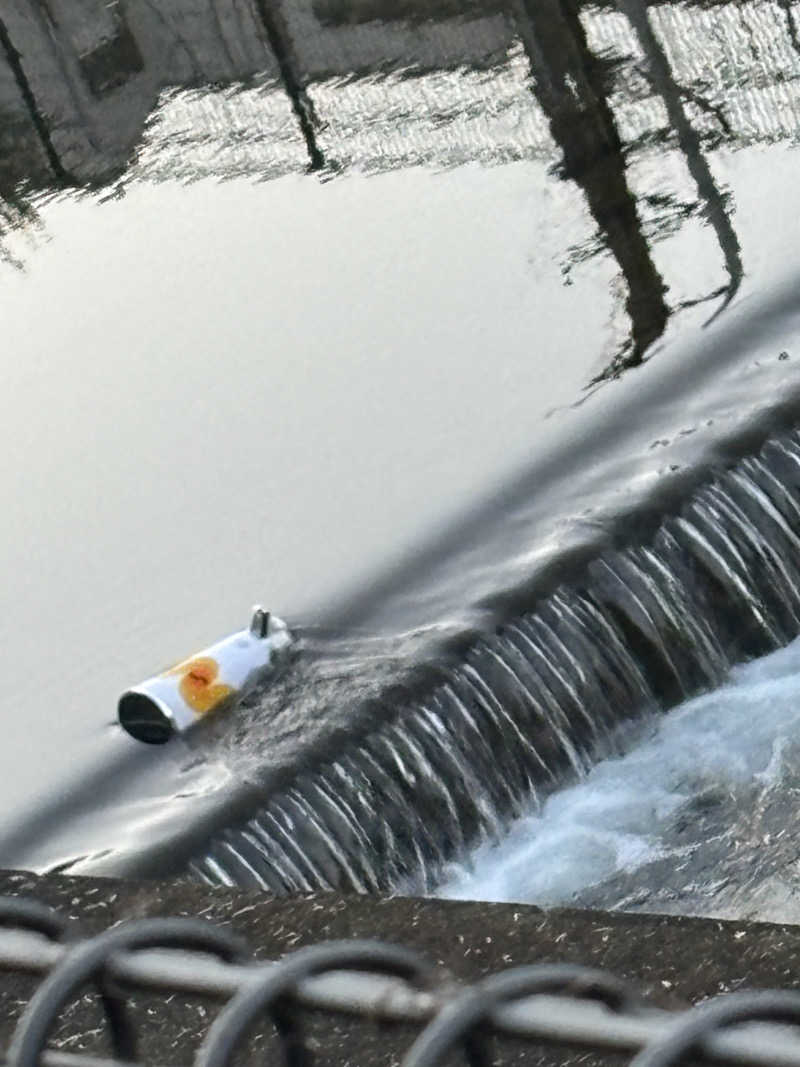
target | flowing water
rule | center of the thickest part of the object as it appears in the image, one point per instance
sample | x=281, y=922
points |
x=697, y=817
x=471, y=346
x=540, y=700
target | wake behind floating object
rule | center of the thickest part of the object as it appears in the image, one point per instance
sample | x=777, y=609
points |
x=218, y=677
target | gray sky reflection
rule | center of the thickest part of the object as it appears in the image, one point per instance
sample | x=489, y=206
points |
x=220, y=393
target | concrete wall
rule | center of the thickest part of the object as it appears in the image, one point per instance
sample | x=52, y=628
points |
x=672, y=961
x=96, y=70
x=325, y=49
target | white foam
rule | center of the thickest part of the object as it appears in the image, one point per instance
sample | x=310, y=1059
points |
x=618, y=817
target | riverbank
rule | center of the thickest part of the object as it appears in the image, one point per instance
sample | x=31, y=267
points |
x=672, y=961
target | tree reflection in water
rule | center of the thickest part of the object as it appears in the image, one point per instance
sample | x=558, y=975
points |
x=78, y=88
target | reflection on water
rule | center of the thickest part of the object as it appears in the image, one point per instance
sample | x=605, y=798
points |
x=410, y=229
x=97, y=94
x=571, y=86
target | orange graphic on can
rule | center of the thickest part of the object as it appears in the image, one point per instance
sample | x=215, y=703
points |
x=198, y=685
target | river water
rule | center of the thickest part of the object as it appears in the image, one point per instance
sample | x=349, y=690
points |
x=349, y=319
x=697, y=817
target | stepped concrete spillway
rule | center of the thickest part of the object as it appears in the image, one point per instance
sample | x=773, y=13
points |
x=455, y=756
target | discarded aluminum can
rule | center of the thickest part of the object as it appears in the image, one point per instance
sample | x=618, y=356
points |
x=219, y=676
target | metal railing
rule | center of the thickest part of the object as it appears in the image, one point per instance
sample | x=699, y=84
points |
x=552, y=1004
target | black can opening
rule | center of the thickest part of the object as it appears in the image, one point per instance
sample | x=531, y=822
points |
x=143, y=719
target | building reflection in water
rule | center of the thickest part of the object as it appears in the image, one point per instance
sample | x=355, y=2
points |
x=84, y=85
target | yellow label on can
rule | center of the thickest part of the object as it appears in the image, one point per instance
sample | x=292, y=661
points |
x=198, y=685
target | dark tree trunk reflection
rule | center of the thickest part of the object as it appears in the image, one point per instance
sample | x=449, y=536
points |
x=715, y=209
x=568, y=84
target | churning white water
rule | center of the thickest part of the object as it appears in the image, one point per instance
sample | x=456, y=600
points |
x=637, y=827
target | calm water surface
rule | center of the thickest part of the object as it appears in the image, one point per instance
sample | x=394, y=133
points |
x=244, y=392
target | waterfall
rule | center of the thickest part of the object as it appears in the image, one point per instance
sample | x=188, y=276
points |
x=533, y=705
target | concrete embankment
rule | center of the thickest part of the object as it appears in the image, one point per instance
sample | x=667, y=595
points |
x=672, y=961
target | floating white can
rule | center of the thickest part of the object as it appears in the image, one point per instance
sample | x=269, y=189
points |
x=176, y=700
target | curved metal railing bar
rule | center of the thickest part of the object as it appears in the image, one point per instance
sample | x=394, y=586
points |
x=569, y=1005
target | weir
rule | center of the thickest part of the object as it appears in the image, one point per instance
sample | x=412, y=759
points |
x=524, y=709
x=544, y=672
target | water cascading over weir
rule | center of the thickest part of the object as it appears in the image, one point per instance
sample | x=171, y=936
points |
x=456, y=752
